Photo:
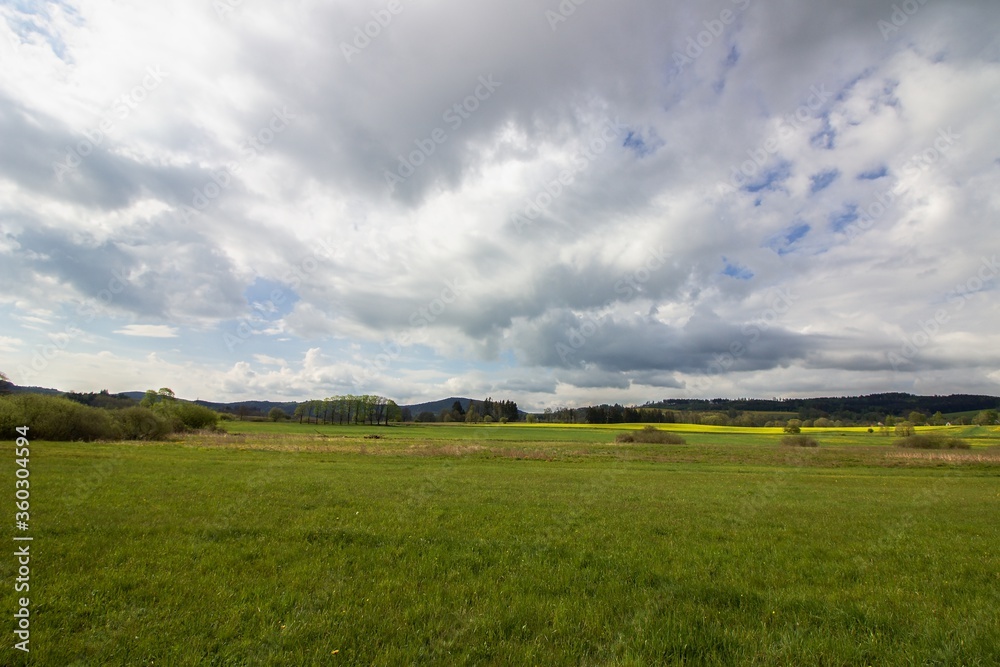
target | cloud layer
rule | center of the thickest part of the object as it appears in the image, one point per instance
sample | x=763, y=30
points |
x=563, y=204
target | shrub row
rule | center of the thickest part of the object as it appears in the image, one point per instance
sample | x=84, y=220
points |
x=57, y=418
x=932, y=441
x=799, y=441
x=651, y=435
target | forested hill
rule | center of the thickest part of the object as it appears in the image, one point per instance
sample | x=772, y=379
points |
x=844, y=406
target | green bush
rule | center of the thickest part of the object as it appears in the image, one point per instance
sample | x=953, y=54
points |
x=138, y=423
x=799, y=441
x=932, y=442
x=651, y=435
x=55, y=418
x=183, y=416
x=194, y=416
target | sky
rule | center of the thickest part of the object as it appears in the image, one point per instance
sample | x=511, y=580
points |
x=557, y=203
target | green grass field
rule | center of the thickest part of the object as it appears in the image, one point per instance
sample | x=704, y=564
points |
x=545, y=545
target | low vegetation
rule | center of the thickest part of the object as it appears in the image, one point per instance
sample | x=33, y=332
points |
x=932, y=441
x=650, y=435
x=799, y=441
x=55, y=418
x=61, y=419
x=487, y=545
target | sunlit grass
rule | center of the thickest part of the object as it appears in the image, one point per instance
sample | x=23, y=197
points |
x=283, y=547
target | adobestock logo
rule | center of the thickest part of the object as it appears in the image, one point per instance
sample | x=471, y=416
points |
x=121, y=108
x=455, y=116
x=222, y=179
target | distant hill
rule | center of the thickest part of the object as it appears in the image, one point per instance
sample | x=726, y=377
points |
x=261, y=408
x=15, y=389
x=252, y=408
x=861, y=408
x=437, y=406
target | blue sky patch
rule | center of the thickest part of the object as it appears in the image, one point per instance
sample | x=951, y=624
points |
x=635, y=142
x=737, y=271
x=841, y=219
x=826, y=138
x=733, y=57
x=823, y=180
x=31, y=19
x=784, y=242
x=270, y=299
x=770, y=179
x=874, y=174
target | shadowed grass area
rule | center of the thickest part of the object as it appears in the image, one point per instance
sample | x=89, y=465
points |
x=932, y=441
x=799, y=441
x=232, y=550
x=650, y=435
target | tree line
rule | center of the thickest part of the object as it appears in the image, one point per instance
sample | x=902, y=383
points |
x=858, y=409
x=493, y=411
x=346, y=409
x=487, y=411
x=807, y=417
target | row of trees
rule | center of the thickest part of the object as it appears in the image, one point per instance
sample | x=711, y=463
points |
x=347, y=409
x=479, y=411
x=871, y=408
x=492, y=411
x=617, y=414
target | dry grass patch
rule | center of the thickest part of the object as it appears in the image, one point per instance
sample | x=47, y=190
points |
x=650, y=435
x=932, y=441
x=799, y=441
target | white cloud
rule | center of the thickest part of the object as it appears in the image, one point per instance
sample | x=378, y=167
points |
x=148, y=331
x=10, y=345
x=256, y=119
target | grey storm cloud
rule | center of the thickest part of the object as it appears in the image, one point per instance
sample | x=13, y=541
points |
x=154, y=276
x=705, y=345
x=615, y=194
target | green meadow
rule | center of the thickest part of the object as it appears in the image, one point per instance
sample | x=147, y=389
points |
x=296, y=544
